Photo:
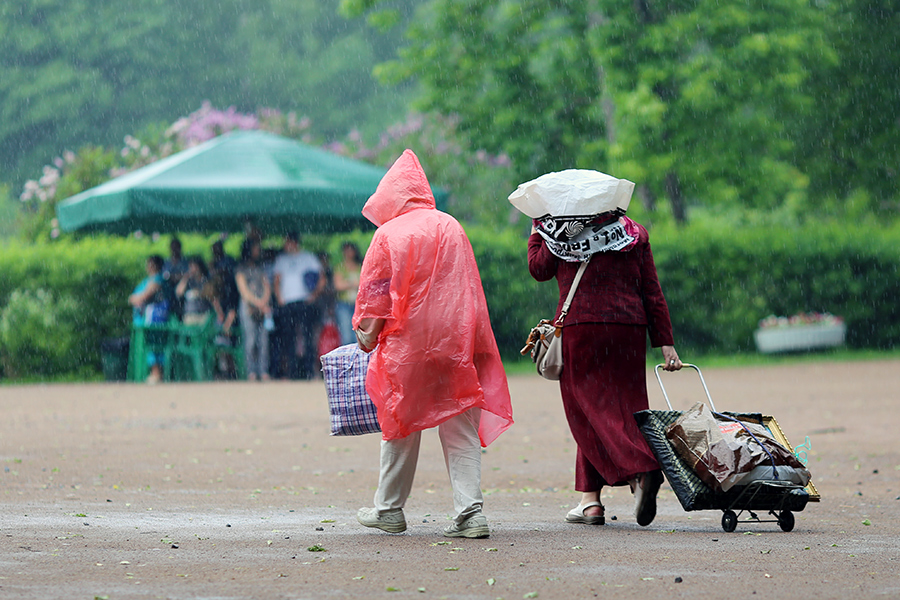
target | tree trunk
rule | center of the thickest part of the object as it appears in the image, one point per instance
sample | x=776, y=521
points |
x=673, y=190
x=648, y=198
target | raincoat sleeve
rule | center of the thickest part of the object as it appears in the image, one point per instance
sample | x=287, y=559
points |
x=374, y=298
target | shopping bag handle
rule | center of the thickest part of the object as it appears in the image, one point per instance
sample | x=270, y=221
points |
x=703, y=381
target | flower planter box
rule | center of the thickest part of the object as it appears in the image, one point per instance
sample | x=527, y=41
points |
x=799, y=337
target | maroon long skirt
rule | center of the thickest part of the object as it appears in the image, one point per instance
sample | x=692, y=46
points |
x=603, y=383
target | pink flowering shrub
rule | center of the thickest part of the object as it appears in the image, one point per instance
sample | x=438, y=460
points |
x=478, y=181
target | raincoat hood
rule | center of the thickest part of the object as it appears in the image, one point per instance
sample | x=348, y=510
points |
x=402, y=189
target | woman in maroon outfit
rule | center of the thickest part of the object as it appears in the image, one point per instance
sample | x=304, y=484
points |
x=616, y=304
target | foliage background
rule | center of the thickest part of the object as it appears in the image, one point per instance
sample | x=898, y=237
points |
x=763, y=138
x=75, y=72
x=786, y=105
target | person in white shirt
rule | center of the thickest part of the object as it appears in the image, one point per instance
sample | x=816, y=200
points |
x=298, y=282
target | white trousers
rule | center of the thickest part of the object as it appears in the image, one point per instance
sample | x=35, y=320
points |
x=462, y=454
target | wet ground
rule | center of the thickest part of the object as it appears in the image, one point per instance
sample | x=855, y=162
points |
x=236, y=490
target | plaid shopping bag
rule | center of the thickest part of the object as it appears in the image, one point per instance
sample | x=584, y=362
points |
x=352, y=411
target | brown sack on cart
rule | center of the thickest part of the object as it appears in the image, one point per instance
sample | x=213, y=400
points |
x=723, y=452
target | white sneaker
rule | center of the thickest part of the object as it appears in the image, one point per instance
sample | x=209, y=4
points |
x=391, y=521
x=475, y=526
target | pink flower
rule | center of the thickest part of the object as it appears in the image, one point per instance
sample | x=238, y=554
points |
x=177, y=127
x=502, y=160
x=48, y=182
x=337, y=148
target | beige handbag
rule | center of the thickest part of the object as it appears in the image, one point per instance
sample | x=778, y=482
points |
x=545, y=340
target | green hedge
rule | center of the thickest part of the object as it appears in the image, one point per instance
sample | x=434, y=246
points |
x=718, y=282
x=95, y=274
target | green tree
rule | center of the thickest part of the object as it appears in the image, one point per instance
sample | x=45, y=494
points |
x=852, y=134
x=720, y=104
x=90, y=71
x=520, y=75
x=708, y=96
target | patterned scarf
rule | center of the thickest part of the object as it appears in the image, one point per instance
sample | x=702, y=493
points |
x=575, y=239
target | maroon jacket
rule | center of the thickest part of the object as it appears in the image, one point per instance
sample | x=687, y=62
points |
x=617, y=287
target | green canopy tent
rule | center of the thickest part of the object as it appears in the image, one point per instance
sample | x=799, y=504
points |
x=275, y=183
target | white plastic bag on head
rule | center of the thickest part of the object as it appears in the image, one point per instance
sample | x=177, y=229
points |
x=572, y=193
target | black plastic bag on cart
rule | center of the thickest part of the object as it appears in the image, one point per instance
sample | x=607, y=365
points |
x=725, y=451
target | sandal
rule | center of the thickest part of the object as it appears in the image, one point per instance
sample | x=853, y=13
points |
x=576, y=515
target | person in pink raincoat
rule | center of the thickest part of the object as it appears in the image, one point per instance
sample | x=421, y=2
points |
x=421, y=311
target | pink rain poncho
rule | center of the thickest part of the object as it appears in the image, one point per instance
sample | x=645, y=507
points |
x=436, y=355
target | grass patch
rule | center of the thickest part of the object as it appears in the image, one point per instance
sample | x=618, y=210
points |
x=789, y=358
x=524, y=366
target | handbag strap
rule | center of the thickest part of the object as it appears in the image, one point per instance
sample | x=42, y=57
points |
x=568, y=302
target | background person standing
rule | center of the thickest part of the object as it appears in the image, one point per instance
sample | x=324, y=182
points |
x=346, y=284
x=174, y=268
x=150, y=307
x=255, y=306
x=298, y=283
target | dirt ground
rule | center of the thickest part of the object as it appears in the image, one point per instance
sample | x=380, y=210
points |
x=227, y=490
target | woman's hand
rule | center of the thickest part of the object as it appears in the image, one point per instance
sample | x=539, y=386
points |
x=673, y=363
x=367, y=333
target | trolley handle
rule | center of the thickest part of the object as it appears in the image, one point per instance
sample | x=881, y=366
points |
x=703, y=381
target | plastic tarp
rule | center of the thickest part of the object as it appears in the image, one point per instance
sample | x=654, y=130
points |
x=436, y=355
x=572, y=193
x=724, y=451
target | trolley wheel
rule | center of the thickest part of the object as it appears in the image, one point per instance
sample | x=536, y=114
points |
x=729, y=521
x=786, y=520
